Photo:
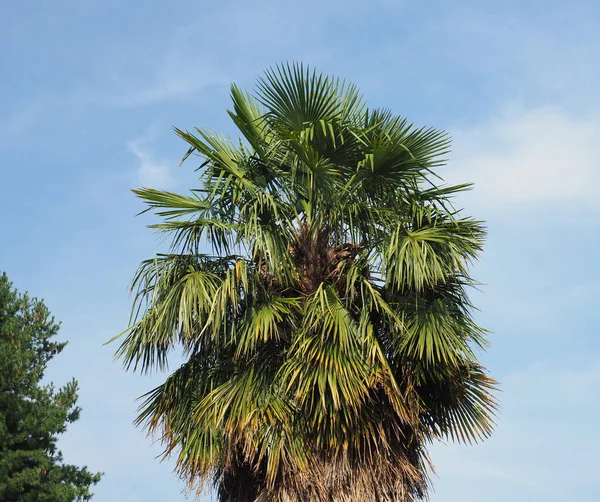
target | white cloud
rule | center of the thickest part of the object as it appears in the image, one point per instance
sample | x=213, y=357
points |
x=151, y=172
x=529, y=157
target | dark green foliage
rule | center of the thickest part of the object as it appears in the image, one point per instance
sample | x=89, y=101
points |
x=32, y=416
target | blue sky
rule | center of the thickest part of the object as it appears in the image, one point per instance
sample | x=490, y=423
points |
x=89, y=92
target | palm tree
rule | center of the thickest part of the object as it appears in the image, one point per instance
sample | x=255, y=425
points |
x=317, y=288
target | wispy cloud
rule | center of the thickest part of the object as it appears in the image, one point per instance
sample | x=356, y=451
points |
x=530, y=157
x=151, y=171
x=179, y=76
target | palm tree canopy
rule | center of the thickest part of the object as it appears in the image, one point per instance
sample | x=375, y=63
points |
x=317, y=287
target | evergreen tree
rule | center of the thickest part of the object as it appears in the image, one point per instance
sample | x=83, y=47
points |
x=33, y=415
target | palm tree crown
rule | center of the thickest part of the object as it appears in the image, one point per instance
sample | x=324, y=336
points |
x=327, y=332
